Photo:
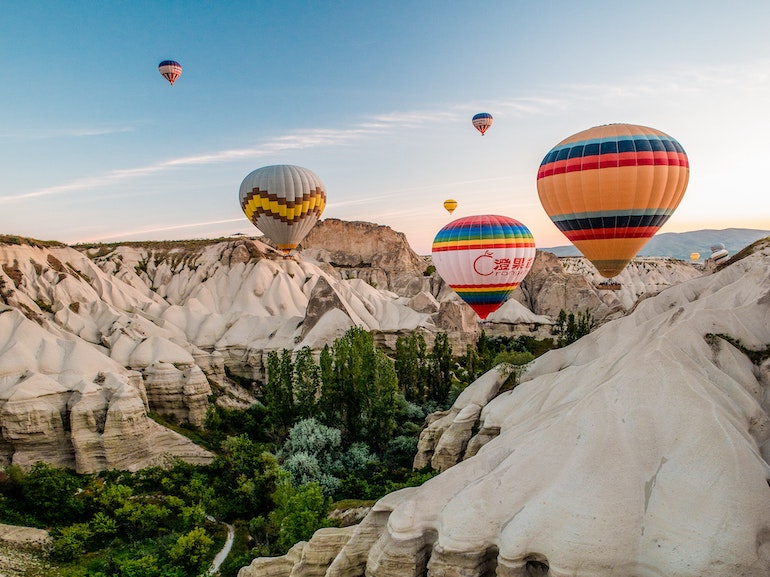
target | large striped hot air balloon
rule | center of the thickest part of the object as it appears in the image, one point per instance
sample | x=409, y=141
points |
x=482, y=121
x=170, y=70
x=610, y=188
x=284, y=202
x=483, y=258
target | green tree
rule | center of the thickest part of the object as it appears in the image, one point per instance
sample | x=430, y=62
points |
x=71, y=542
x=244, y=469
x=279, y=393
x=306, y=383
x=192, y=550
x=570, y=327
x=512, y=364
x=358, y=392
x=380, y=404
x=440, y=372
x=52, y=494
x=299, y=513
x=410, y=365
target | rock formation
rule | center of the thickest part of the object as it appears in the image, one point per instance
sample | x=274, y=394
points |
x=640, y=449
x=93, y=339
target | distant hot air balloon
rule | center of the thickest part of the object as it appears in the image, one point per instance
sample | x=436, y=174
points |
x=482, y=121
x=719, y=252
x=694, y=256
x=483, y=258
x=610, y=188
x=284, y=202
x=170, y=70
x=450, y=205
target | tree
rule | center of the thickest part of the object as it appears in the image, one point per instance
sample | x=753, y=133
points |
x=191, y=551
x=359, y=387
x=410, y=365
x=300, y=512
x=306, y=383
x=51, y=493
x=440, y=372
x=569, y=328
x=279, y=392
x=512, y=364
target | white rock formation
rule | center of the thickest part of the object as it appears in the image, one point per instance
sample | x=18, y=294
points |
x=640, y=450
x=166, y=319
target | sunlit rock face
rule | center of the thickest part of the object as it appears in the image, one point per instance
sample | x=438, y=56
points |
x=376, y=254
x=640, y=450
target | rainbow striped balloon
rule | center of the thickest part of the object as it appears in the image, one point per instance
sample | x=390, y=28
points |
x=610, y=188
x=483, y=258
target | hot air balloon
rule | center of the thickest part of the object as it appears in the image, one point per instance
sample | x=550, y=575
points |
x=482, y=121
x=610, y=188
x=483, y=258
x=450, y=205
x=284, y=202
x=719, y=252
x=170, y=70
x=694, y=256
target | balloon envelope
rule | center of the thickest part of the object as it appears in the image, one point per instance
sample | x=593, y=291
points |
x=483, y=258
x=450, y=205
x=694, y=256
x=284, y=202
x=610, y=188
x=482, y=121
x=170, y=70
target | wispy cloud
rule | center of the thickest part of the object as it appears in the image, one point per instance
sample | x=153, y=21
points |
x=295, y=141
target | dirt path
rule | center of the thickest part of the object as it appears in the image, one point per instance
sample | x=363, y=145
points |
x=222, y=555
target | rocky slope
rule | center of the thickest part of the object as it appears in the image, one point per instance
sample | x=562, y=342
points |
x=91, y=340
x=640, y=449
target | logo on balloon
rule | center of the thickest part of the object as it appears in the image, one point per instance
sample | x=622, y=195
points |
x=484, y=264
x=487, y=265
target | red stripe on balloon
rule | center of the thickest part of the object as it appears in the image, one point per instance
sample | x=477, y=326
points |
x=613, y=160
x=611, y=233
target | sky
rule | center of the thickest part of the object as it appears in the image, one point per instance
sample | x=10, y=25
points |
x=376, y=98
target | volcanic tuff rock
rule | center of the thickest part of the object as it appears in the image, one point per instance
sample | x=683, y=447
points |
x=91, y=339
x=641, y=449
x=374, y=253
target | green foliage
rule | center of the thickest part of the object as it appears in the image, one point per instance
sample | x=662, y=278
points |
x=248, y=473
x=21, y=240
x=70, y=542
x=314, y=453
x=51, y=494
x=299, y=513
x=512, y=364
x=358, y=389
x=422, y=376
x=191, y=551
x=221, y=423
x=757, y=356
x=570, y=327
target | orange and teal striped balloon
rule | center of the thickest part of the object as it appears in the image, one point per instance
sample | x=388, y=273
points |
x=610, y=188
x=483, y=258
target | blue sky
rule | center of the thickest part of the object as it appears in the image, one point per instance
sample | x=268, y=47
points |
x=374, y=97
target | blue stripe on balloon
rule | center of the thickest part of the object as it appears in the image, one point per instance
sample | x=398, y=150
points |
x=595, y=146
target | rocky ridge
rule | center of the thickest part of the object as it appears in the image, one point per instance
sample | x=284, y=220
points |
x=94, y=339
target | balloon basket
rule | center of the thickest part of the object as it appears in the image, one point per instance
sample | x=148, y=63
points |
x=609, y=285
